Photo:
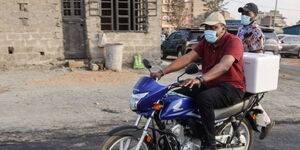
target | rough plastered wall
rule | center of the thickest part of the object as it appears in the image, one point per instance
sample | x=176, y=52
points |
x=146, y=44
x=30, y=32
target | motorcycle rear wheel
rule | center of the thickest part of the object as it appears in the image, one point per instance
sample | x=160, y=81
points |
x=246, y=133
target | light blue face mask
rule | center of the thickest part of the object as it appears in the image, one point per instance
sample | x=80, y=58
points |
x=245, y=20
x=210, y=36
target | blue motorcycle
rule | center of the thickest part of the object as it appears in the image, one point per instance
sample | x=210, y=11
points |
x=173, y=121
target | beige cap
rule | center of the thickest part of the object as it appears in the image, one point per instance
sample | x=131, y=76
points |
x=214, y=18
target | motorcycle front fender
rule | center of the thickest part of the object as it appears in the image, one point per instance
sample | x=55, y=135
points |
x=126, y=131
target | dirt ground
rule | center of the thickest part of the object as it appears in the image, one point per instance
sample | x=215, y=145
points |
x=59, y=98
x=3, y=90
x=80, y=101
x=293, y=62
x=83, y=78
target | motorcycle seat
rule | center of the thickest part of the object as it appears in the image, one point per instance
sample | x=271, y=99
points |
x=232, y=110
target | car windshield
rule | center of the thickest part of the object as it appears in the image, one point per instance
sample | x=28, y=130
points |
x=171, y=36
x=270, y=35
x=194, y=35
x=280, y=37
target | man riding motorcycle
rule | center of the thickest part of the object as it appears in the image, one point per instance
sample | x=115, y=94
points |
x=222, y=83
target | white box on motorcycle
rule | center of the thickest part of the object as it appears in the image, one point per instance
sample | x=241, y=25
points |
x=261, y=72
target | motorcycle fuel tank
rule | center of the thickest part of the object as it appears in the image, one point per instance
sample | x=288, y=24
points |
x=178, y=106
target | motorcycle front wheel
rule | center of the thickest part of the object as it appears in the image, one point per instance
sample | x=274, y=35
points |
x=123, y=142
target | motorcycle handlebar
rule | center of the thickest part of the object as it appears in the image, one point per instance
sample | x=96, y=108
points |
x=177, y=84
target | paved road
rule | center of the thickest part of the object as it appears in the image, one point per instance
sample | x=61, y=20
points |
x=291, y=71
x=283, y=137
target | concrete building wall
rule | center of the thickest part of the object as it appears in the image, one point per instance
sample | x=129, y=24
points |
x=199, y=8
x=188, y=14
x=147, y=44
x=166, y=12
x=227, y=15
x=266, y=19
x=30, y=32
x=94, y=33
x=193, y=10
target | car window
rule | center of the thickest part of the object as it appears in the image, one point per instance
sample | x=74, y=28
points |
x=280, y=37
x=232, y=31
x=171, y=36
x=177, y=36
x=194, y=35
x=270, y=35
x=184, y=34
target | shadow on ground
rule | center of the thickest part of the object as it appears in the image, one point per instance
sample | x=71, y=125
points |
x=84, y=142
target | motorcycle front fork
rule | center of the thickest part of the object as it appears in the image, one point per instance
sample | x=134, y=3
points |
x=138, y=119
x=144, y=130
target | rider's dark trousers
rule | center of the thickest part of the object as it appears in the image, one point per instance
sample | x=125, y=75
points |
x=208, y=99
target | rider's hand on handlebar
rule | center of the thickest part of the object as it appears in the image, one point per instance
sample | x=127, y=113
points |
x=190, y=83
x=157, y=75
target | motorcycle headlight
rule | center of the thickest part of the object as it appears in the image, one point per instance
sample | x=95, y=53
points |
x=135, y=98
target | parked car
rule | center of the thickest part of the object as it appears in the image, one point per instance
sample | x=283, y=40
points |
x=272, y=46
x=272, y=43
x=290, y=45
x=190, y=45
x=176, y=43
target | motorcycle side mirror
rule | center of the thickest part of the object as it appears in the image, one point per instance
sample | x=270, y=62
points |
x=147, y=64
x=192, y=68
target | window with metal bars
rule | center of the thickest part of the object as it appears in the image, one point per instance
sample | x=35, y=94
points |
x=124, y=15
x=72, y=8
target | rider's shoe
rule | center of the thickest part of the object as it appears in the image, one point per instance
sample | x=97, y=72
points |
x=266, y=130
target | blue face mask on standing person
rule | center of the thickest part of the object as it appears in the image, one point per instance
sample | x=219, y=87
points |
x=245, y=20
x=210, y=36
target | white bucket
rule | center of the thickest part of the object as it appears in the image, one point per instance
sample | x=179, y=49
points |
x=114, y=56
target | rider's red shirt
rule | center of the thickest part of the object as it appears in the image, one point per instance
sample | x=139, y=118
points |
x=211, y=55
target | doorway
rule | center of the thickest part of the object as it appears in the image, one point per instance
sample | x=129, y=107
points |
x=74, y=29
